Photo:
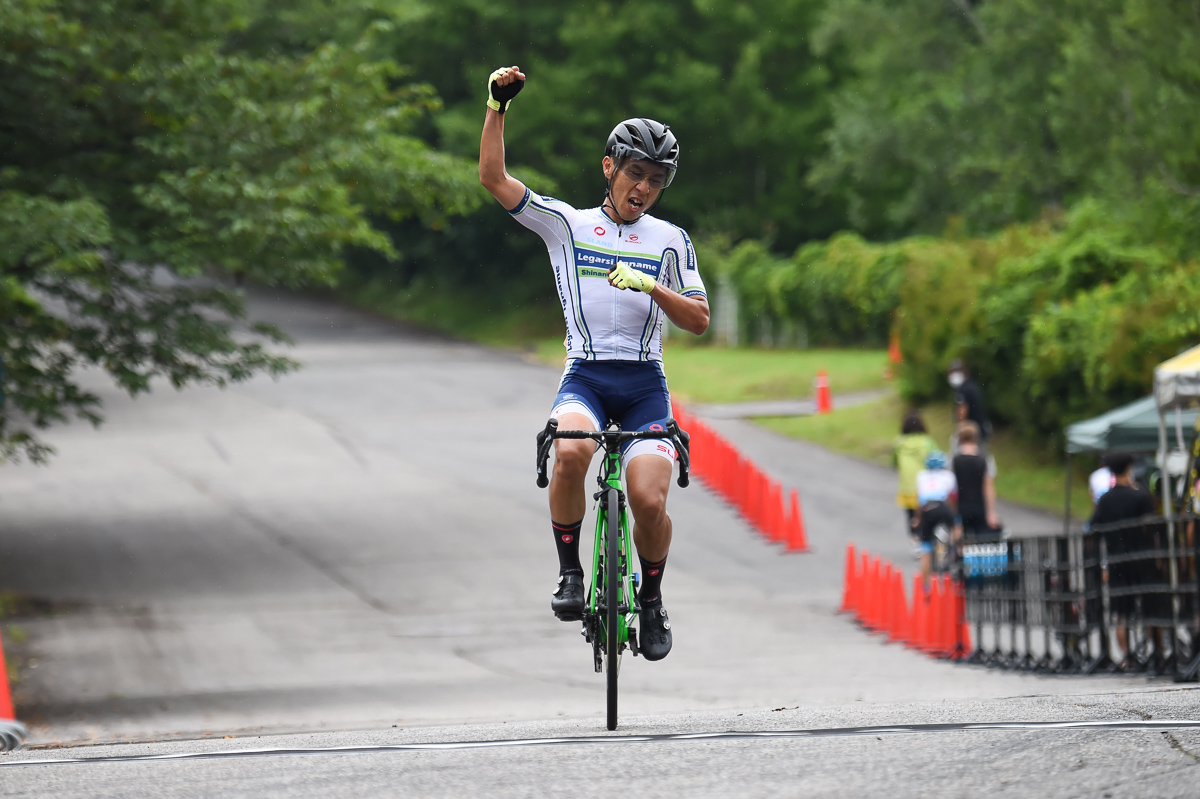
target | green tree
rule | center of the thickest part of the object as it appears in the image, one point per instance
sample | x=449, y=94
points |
x=149, y=161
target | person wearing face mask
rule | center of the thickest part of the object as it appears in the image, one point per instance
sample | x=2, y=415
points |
x=619, y=273
x=969, y=405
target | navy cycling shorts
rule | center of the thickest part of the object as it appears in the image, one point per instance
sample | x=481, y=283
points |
x=631, y=394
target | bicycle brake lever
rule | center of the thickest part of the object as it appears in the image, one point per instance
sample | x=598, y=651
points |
x=682, y=444
x=545, y=439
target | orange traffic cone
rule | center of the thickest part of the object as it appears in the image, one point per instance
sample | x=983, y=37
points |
x=864, y=589
x=899, y=629
x=877, y=589
x=930, y=643
x=869, y=574
x=946, y=630
x=849, y=588
x=943, y=643
x=776, y=520
x=962, y=643
x=824, y=400
x=894, y=355
x=890, y=608
x=6, y=704
x=796, y=540
x=883, y=610
x=920, y=617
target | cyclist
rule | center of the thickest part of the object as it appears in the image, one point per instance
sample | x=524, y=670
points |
x=618, y=272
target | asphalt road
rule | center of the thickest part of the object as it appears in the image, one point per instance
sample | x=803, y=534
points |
x=361, y=546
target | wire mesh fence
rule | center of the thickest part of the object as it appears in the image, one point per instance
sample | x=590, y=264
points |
x=1117, y=597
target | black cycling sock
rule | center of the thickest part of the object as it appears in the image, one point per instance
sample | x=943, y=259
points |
x=566, y=539
x=649, y=593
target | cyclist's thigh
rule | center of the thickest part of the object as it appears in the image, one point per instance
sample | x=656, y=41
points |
x=648, y=407
x=577, y=406
x=578, y=397
x=648, y=479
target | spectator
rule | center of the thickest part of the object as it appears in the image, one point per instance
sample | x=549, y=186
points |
x=976, y=486
x=1100, y=481
x=968, y=404
x=908, y=456
x=937, y=493
x=1125, y=502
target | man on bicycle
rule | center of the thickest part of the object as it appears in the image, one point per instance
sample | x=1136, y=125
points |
x=618, y=271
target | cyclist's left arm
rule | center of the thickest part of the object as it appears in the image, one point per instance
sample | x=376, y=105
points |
x=679, y=291
x=687, y=313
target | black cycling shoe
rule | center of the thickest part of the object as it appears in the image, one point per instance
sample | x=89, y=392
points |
x=654, y=637
x=567, y=603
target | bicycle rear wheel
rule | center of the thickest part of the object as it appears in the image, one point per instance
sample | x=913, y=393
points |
x=612, y=614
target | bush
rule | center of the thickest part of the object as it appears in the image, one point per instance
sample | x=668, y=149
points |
x=839, y=292
x=1059, y=319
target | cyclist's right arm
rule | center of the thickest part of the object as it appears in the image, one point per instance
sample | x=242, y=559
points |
x=507, y=190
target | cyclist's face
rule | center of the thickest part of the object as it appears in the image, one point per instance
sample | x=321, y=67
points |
x=635, y=185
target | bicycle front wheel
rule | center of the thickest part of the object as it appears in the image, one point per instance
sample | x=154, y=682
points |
x=612, y=614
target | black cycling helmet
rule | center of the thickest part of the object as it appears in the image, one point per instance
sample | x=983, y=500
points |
x=646, y=140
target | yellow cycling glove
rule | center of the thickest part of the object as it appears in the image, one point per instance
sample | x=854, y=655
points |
x=500, y=96
x=625, y=276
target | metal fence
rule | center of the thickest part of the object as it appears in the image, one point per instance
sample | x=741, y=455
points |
x=1118, y=597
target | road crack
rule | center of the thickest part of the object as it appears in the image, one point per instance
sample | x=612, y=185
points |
x=1179, y=747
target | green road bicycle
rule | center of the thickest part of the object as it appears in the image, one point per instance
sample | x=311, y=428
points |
x=611, y=606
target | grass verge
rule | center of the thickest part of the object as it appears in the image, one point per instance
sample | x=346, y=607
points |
x=1024, y=473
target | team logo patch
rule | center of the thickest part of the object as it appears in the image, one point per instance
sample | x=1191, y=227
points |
x=656, y=427
x=633, y=237
x=600, y=231
x=568, y=539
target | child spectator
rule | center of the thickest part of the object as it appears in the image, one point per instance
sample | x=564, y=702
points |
x=909, y=451
x=976, y=487
x=937, y=492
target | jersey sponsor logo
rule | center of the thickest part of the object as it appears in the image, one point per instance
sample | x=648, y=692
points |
x=633, y=238
x=600, y=231
x=656, y=427
x=594, y=258
x=592, y=271
x=663, y=448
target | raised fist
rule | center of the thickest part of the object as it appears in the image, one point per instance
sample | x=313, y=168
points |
x=503, y=85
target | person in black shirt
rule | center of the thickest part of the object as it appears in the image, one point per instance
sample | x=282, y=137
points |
x=968, y=402
x=976, y=489
x=1125, y=502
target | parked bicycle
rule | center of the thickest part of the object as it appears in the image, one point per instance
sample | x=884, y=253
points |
x=611, y=606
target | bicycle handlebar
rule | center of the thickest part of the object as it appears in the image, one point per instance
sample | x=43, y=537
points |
x=611, y=440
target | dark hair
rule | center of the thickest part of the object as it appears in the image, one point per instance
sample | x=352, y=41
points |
x=912, y=424
x=968, y=433
x=1119, y=462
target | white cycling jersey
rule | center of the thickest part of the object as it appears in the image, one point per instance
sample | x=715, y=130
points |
x=606, y=323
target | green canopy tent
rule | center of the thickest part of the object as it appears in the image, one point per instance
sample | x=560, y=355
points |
x=1131, y=428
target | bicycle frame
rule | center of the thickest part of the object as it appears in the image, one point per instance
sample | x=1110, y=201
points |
x=610, y=477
